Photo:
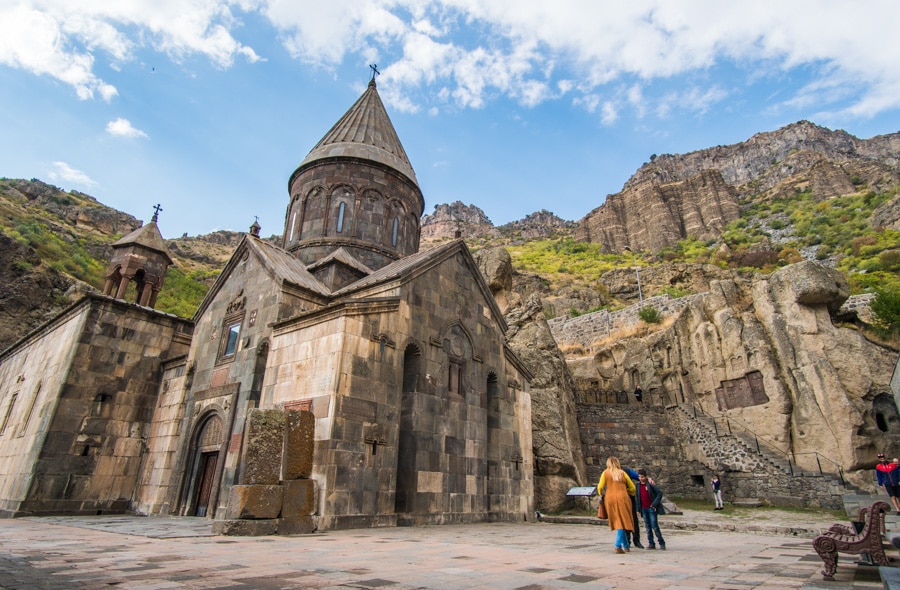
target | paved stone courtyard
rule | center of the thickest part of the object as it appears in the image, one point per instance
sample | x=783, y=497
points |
x=134, y=553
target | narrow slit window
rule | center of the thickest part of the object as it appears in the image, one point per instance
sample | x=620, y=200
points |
x=293, y=222
x=395, y=231
x=340, y=217
x=9, y=409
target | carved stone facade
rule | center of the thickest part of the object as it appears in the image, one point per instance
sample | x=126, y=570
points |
x=342, y=380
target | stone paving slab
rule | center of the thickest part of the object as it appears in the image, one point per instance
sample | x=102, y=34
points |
x=134, y=553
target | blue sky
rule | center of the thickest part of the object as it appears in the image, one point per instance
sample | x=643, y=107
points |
x=512, y=105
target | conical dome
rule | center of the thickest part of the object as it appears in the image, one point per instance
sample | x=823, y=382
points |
x=366, y=132
x=356, y=192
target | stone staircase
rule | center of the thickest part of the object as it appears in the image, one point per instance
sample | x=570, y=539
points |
x=736, y=452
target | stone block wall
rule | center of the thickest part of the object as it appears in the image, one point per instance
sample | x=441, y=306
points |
x=861, y=304
x=638, y=435
x=95, y=423
x=590, y=327
x=682, y=454
x=275, y=495
x=160, y=475
x=36, y=368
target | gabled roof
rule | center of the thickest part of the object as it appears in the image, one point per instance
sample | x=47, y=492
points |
x=414, y=264
x=366, y=132
x=283, y=267
x=147, y=236
x=341, y=255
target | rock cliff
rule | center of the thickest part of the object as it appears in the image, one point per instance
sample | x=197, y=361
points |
x=650, y=215
x=449, y=219
x=697, y=194
x=763, y=352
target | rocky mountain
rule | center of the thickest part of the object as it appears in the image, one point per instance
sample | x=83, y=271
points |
x=456, y=220
x=55, y=245
x=468, y=221
x=698, y=193
x=766, y=352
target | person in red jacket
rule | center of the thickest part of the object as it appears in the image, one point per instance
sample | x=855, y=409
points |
x=889, y=478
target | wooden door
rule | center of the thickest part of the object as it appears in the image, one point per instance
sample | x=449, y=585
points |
x=207, y=475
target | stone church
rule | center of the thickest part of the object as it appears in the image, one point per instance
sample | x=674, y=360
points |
x=342, y=379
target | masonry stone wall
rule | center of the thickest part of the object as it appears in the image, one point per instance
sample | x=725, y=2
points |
x=861, y=304
x=37, y=368
x=157, y=490
x=640, y=436
x=588, y=328
x=372, y=196
x=90, y=428
x=682, y=453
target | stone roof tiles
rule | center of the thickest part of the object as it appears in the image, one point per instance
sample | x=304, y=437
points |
x=366, y=132
x=147, y=236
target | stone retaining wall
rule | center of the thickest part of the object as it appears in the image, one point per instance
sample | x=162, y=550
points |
x=682, y=453
x=590, y=327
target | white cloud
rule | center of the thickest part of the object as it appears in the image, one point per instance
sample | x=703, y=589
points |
x=123, y=128
x=62, y=172
x=528, y=50
x=609, y=114
x=60, y=38
x=482, y=49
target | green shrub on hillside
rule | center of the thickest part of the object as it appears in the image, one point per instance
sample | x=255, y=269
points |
x=182, y=294
x=564, y=256
x=886, y=307
x=68, y=257
x=650, y=314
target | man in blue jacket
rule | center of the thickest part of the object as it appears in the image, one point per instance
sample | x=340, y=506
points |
x=648, y=498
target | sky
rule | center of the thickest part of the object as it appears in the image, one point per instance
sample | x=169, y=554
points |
x=206, y=107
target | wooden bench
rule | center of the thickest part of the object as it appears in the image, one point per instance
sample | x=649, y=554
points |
x=843, y=539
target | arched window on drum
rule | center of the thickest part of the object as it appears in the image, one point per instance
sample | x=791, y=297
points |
x=342, y=208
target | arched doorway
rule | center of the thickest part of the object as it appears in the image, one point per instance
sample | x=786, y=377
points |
x=206, y=452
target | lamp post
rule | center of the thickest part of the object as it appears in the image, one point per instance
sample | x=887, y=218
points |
x=637, y=273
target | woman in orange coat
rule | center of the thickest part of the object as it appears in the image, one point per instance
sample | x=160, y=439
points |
x=615, y=486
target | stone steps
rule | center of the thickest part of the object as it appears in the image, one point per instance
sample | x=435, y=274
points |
x=732, y=451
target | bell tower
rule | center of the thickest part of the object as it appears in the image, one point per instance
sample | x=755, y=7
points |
x=140, y=257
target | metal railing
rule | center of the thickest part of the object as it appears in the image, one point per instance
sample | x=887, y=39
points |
x=747, y=434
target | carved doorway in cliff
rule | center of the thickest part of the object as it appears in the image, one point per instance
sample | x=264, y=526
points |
x=206, y=449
